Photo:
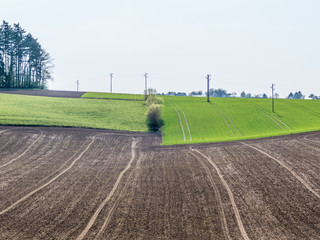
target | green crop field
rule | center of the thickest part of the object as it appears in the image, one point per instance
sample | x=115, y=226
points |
x=123, y=96
x=72, y=112
x=193, y=120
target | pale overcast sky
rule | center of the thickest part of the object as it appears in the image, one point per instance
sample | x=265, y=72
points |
x=245, y=45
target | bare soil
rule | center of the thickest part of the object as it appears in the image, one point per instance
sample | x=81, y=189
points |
x=44, y=93
x=64, y=183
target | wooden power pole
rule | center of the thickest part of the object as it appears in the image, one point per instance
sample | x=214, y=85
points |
x=272, y=87
x=111, y=77
x=208, y=77
x=78, y=85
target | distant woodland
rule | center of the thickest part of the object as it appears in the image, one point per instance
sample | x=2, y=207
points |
x=23, y=62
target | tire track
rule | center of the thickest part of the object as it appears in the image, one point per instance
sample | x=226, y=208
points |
x=115, y=186
x=231, y=197
x=224, y=119
x=217, y=193
x=270, y=117
x=184, y=136
x=229, y=119
x=185, y=118
x=301, y=180
x=110, y=213
x=13, y=160
x=49, y=182
x=312, y=141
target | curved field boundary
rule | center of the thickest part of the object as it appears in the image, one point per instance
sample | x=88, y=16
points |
x=49, y=182
x=231, y=197
x=13, y=160
x=185, y=118
x=301, y=180
x=217, y=193
x=184, y=136
x=229, y=119
x=224, y=119
x=115, y=186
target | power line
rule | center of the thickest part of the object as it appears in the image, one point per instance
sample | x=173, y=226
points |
x=78, y=82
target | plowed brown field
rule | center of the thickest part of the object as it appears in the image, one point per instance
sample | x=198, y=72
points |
x=60, y=183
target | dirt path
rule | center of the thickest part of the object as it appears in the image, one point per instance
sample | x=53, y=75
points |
x=115, y=186
x=231, y=197
x=13, y=160
x=219, y=201
x=49, y=182
x=304, y=183
x=185, y=118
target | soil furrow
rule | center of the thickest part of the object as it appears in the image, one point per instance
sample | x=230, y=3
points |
x=231, y=197
x=14, y=159
x=115, y=186
x=304, y=183
x=46, y=184
x=217, y=193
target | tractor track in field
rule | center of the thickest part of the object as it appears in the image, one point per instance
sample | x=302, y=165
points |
x=48, y=183
x=182, y=129
x=114, y=188
x=282, y=164
x=259, y=108
x=229, y=119
x=224, y=119
x=217, y=193
x=231, y=197
x=22, y=154
x=185, y=118
x=136, y=171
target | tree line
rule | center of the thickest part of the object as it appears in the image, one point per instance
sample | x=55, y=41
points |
x=23, y=62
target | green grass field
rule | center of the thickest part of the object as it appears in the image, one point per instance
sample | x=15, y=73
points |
x=72, y=112
x=123, y=96
x=226, y=119
x=186, y=119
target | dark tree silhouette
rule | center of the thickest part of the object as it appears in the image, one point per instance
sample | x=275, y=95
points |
x=23, y=62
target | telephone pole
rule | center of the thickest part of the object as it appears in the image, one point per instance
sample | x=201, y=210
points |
x=272, y=87
x=78, y=85
x=146, y=82
x=111, y=77
x=208, y=77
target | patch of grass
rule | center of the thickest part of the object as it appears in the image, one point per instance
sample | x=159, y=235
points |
x=226, y=119
x=71, y=112
x=122, y=96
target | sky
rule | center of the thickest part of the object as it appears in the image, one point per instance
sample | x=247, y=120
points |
x=245, y=45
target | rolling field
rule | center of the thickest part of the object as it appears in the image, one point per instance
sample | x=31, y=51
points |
x=72, y=112
x=193, y=120
x=62, y=183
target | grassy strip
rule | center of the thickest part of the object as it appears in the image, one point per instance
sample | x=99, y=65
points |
x=122, y=96
x=92, y=113
x=226, y=119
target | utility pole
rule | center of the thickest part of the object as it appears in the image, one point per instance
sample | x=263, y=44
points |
x=146, y=82
x=272, y=87
x=111, y=76
x=78, y=85
x=208, y=77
